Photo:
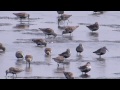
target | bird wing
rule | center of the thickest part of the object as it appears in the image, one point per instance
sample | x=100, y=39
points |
x=98, y=51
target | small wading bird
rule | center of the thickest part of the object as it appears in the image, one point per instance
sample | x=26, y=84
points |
x=13, y=71
x=101, y=51
x=68, y=75
x=79, y=49
x=48, y=31
x=2, y=47
x=63, y=17
x=65, y=54
x=19, y=55
x=93, y=27
x=59, y=59
x=22, y=15
x=98, y=12
x=69, y=29
x=60, y=12
x=28, y=59
x=85, y=68
x=48, y=51
x=40, y=42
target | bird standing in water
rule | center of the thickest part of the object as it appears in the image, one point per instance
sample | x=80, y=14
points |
x=48, y=31
x=79, y=49
x=69, y=29
x=93, y=27
x=13, y=71
x=28, y=59
x=22, y=15
x=48, y=51
x=101, y=51
x=85, y=68
x=19, y=55
x=65, y=54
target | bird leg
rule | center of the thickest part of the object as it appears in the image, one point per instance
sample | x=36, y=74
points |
x=58, y=65
x=29, y=64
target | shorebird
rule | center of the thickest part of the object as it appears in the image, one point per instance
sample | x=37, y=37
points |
x=98, y=11
x=60, y=12
x=19, y=55
x=13, y=71
x=48, y=31
x=65, y=54
x=28, y=59
x=101, y=51
x=68, y=75
x=48, y=51
x=85, y=68
x=40, y=42
x=22, y=15
x=79, y=49
x=93, y=27
x=2, y=47
x=63, y=17
x=69, y=29
x=59, y=59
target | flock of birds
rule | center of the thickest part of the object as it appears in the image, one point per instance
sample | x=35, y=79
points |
x=62, y=56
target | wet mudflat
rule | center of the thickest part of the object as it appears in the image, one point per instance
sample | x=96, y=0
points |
x=18, y=36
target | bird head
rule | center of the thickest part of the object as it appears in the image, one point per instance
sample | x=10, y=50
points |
x=105, y=48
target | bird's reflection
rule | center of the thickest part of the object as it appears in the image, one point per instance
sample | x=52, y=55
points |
x=48, y=59
x=2, y=52
x=59, y=70
x=101, y=61
x=19, y=62
x=22, y=26
x=68, y=37
x=79, y=57
x=85, y=76
x=61, y=27
x=94, y=35
x=28, y=69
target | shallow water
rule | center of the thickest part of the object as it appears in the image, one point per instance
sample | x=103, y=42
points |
x=16, y=36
